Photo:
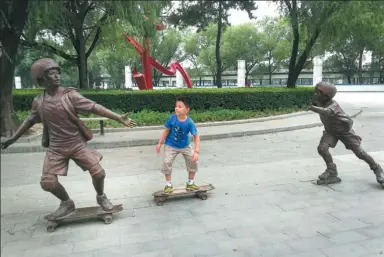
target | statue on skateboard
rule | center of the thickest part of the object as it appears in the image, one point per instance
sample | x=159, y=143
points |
x=65, y=135
x=337, y=126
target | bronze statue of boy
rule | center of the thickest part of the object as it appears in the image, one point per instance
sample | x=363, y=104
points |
x=337, y=126
x=65, y=135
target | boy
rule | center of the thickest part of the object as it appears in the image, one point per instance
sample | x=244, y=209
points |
x=337, y=126
x=65, y=135
x=176, y=136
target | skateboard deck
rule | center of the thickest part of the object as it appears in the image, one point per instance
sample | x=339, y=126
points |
x=160, y=197
x=82, y=213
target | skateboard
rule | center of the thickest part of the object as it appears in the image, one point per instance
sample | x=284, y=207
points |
x=160, y=197
x=86, y=212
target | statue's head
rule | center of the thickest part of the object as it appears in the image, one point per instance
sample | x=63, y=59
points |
x=324, y=93
x=46, y=72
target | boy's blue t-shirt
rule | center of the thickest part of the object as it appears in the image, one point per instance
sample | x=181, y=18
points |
x=178, y=136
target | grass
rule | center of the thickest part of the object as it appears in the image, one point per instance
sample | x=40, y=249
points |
x=150, y=118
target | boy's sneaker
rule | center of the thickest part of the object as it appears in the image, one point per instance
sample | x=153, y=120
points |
x=168, y=189
x=192, y=187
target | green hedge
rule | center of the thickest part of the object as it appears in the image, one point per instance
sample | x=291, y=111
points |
x=257, y=98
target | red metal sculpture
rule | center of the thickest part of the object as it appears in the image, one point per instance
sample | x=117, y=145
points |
x=144, y=81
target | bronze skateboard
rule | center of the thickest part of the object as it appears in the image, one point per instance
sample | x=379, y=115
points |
x=160, y=197
x=87, y=212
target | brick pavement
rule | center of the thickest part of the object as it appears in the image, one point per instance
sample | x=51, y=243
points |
x=264, y=204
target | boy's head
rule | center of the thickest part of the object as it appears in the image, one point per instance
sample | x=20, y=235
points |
x=183, y=105
x=46, y=72
x=324, y=92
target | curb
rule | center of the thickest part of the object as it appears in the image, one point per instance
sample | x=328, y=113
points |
x=209, y=124
x=38, y=135
x=150, y=142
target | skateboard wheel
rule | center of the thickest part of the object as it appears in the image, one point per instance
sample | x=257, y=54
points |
x=202, y=196
x=51, y=226
x=159, y=201
x=107, y=218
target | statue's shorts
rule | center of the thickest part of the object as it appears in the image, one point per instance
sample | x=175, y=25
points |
x=350, y=140
x=57, y=159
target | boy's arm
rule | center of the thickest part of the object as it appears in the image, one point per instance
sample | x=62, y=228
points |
x=163, y=135
x=321, y=110
x=31, y=120
x=196, y=139
x=85, y=105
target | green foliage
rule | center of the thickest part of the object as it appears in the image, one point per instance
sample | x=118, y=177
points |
x=259, y=99
x=150, y=118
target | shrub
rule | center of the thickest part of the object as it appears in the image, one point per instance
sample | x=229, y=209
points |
x=257, y=98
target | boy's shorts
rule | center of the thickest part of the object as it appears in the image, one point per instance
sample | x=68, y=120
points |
x=57, y=160
x=351, y=140
x=170, y=154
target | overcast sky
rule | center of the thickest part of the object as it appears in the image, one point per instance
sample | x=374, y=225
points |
x=265, y=8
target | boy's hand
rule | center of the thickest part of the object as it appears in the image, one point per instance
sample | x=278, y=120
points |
x=6, y=143
x=158, y=147
x=195, y=156
x=127, y=121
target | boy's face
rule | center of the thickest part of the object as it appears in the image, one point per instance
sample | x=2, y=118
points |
x=52, y=78
x=180, y=108
x=319, y=98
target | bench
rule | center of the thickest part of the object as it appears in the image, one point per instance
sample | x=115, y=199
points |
x=101, y=122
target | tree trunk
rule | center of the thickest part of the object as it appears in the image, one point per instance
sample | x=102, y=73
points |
x=82, y=61
x=10, y=41
x=270, y=71
x=218, y=39
x=349, y=80
x=360, y=73
x=292, y=78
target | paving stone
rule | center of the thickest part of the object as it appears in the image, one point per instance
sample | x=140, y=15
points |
x=123, y=251
x=309, y=243
x=350, y=250
x=49, y=251
x=264, y=203
x=374, y=245
x=270, y=250
x=345, y=237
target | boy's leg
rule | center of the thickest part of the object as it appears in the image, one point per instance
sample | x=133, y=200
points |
x=330, y=174
x=56, y=164
x=191, y=168
x=170, y=154
x=353, y=142
x=89, y=159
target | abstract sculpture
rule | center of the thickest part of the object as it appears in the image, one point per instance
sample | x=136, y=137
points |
x=144, y=81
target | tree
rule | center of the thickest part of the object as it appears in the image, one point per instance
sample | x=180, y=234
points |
x=310, y=18
x=275, y=38
x=166, y=46
x=203, y=12
x=13, y=17
x=242, y=42
x=359, y=28
x=76, y=23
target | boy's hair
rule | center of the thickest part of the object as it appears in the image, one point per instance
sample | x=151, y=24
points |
x=185, y=99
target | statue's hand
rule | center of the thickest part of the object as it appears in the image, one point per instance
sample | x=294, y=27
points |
x=6, y=143
x=124, y=119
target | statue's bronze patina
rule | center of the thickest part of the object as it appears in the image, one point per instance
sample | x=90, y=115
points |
x=64, y=134
x=337, y=126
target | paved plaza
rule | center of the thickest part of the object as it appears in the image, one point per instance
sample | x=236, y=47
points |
x=265, y=202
